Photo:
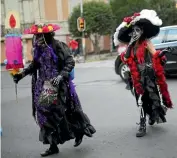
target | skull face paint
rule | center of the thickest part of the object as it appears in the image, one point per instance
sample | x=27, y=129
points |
x=39, y=39
x=136, y=33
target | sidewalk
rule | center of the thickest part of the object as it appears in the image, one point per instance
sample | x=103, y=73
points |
x=89, y=58
x=107, y=56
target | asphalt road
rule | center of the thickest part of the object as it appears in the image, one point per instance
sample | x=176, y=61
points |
x=111, y=109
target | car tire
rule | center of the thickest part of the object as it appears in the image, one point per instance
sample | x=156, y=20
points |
x=122, y=68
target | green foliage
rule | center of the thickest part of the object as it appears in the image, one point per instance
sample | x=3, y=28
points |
x=165, y=9
x=123, y=8
x=99, y=19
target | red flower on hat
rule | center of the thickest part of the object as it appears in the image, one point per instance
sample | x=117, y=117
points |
x=136, y=14
x=127, y=19
x=45, y=29
x=34, y=29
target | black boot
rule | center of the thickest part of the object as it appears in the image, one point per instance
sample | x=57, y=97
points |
x=52, y=150
x=78, y=140
x=142, y=128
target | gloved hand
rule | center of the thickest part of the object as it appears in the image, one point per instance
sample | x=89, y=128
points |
x=163, y=60
x=56, y=80
x=17, y=77
x=128, y=52
x=132, y=40
x=164, y=51
x=130, y=45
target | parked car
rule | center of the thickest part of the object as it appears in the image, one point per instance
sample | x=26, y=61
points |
x=166, y=38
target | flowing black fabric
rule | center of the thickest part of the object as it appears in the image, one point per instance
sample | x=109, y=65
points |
x=151, y=98
x=66, y=120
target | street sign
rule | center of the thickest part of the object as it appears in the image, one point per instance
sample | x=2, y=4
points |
x=81, y=24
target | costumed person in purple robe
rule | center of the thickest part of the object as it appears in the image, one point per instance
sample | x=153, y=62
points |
x=146, y=77
x=56, y=109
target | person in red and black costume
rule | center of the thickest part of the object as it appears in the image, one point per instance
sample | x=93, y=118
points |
x=146, y=77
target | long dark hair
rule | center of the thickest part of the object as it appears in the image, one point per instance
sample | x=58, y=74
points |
x=143, y=36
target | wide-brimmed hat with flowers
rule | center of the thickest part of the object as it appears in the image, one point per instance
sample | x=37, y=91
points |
x=147, y=19
x=41, y=28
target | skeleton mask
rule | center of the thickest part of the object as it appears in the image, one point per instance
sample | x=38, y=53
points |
x=39, y=40
x=136, y=33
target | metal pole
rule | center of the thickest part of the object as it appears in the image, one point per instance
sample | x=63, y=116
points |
x=83, y=39
x=81, y=7
x=39, y=11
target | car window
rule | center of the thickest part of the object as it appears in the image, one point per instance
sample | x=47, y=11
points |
x=159, y=39
x=172, y=35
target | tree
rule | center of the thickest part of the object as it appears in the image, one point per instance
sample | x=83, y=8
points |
x=166, y=10
x=99, y=21
x=123, y=8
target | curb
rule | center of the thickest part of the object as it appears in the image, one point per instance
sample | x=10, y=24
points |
x=3, y=68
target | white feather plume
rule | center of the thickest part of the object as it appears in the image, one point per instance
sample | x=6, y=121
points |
x=150, y=15
x=116, y=41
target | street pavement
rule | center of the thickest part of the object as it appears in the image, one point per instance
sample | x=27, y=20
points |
x=110, y=107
